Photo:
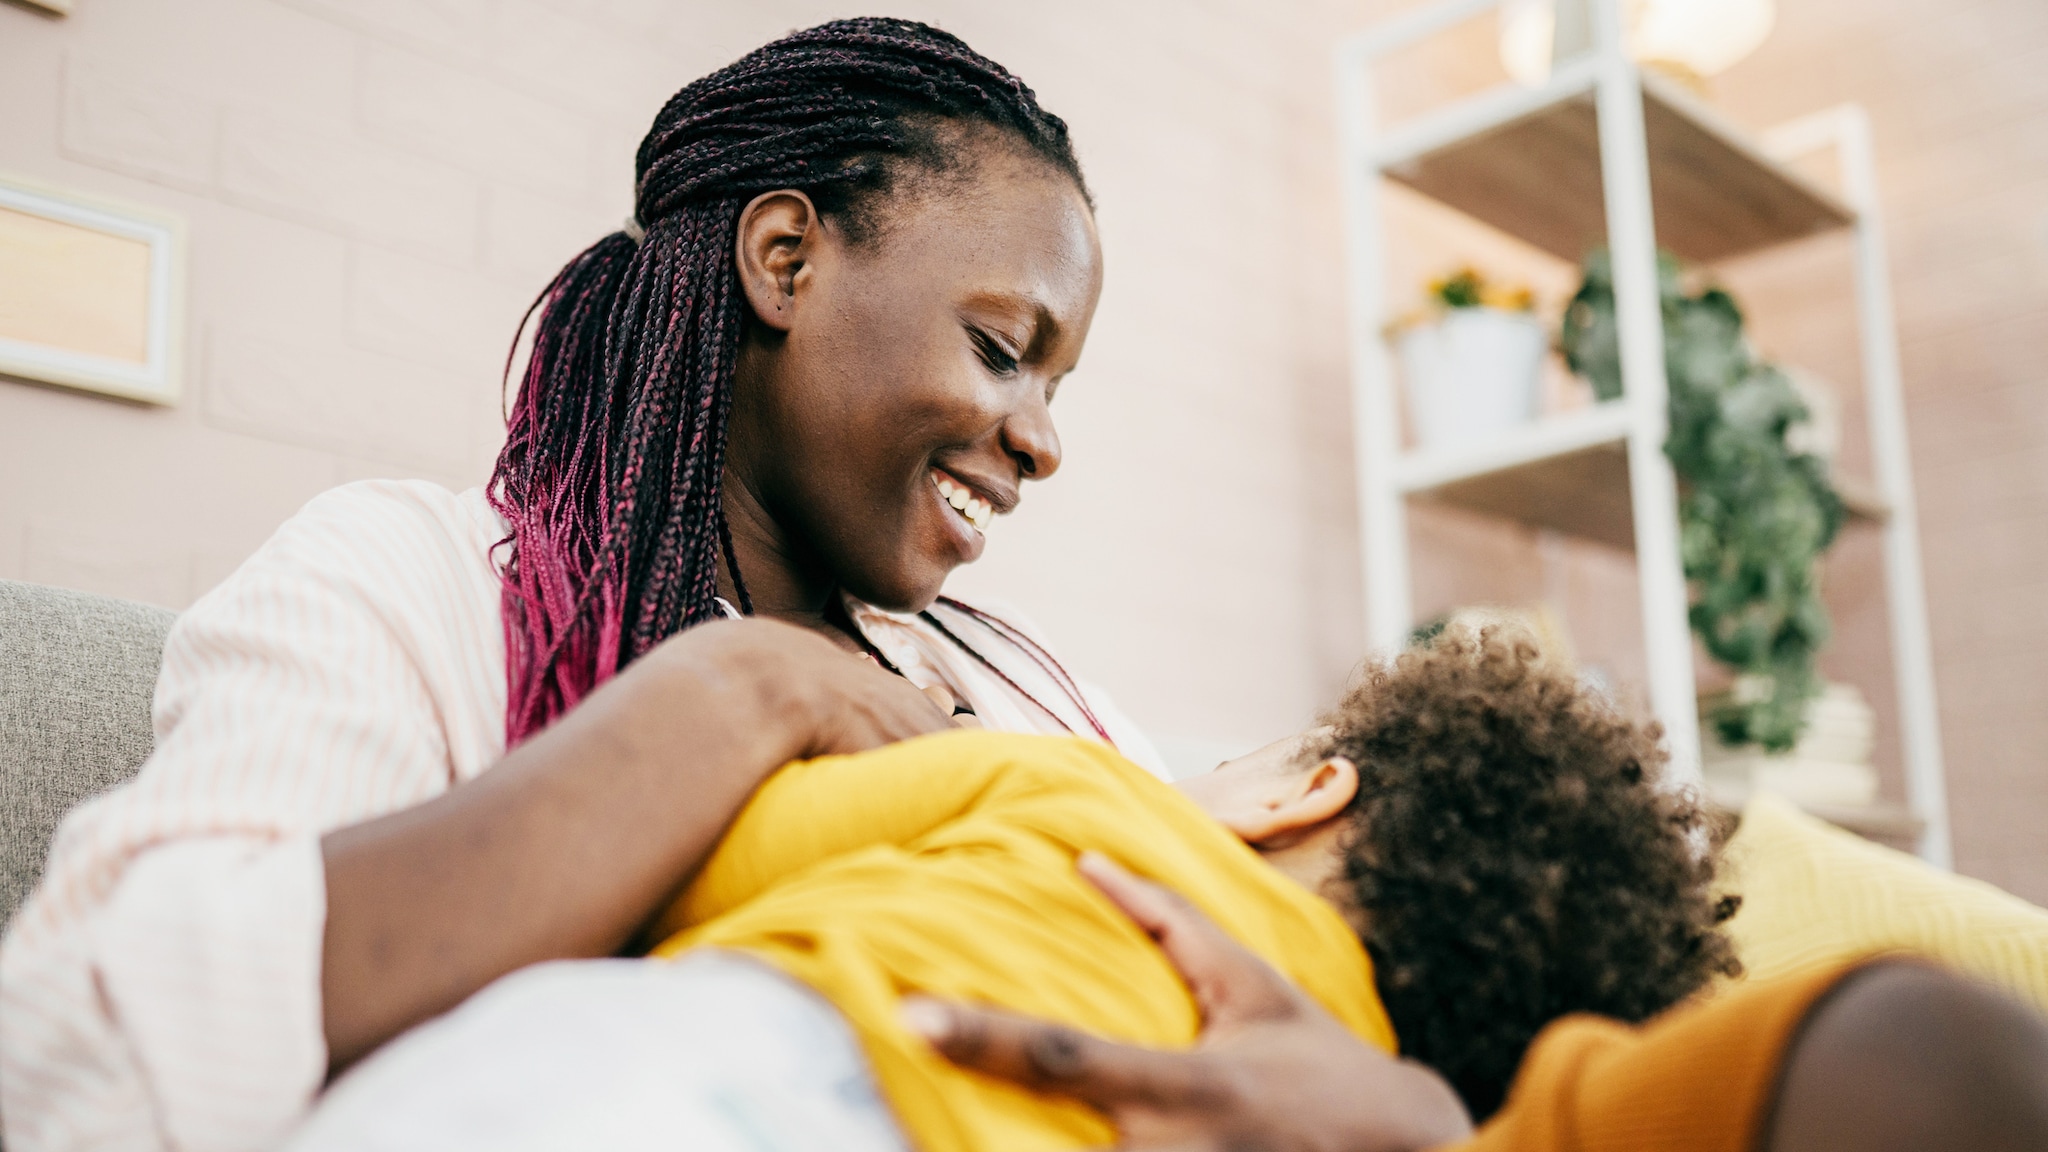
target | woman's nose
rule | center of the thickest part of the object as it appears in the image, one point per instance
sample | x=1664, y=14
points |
x=1031, y=440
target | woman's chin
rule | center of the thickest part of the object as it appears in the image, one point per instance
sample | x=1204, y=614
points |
x=909, y=584
x=912, y=576
x=950, y=541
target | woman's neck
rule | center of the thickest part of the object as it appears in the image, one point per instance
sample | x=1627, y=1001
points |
x=781, y=583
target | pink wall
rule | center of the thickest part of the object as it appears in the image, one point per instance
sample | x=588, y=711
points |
x=375, y=188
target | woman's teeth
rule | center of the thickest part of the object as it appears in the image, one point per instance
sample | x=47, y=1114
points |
x=977, y=511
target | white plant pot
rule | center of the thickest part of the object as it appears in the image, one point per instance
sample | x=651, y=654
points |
x=1476, y=372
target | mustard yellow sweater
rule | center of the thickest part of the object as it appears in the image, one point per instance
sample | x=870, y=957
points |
x=946, y=865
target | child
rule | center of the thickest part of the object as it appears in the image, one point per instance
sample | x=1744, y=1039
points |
x=1473, y=847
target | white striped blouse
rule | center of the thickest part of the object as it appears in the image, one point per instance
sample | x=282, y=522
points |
x=162, y=988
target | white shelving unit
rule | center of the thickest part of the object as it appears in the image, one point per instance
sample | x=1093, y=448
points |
x=1603, y=152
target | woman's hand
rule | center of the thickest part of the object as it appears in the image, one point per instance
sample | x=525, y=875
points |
x=1273, y=1071
x=831, y=701
x=579, y=836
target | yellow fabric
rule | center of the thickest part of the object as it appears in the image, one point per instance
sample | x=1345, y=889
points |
x=946, y=865
x=1813, y=895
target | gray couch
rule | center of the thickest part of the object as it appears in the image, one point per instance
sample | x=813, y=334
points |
x=76, y=675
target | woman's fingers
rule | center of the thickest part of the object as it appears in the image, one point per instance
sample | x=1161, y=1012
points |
x=1051, y=1058
x=871, y=706
x=1272, y=1069
x=950, y=705
x=902, y=710
x=1230, y=984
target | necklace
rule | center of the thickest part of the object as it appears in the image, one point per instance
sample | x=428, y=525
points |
x=1035, y=652
x=1031, y=648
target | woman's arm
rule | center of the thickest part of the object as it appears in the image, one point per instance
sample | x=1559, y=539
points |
x=578, y=836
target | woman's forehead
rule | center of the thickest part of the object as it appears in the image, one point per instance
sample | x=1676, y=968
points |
x=1017, y=226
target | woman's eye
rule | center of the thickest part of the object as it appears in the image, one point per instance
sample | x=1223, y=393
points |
x=992, y=353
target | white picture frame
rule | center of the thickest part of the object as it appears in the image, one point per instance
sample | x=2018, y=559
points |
x=154, y=377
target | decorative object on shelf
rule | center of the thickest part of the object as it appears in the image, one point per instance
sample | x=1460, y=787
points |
x=1688, y=40
x=1754, y=515
x=1820, y=434
x=89, y=293
x=1473, y=362
x=1829, y=766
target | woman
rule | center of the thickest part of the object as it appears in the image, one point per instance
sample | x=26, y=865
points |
x=397, y=760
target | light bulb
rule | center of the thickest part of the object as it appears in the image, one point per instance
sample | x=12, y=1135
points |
x=1528, y=29
x=1702, y=37
x=1696, y=38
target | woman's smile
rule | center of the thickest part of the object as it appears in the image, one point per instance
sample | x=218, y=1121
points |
x=969, y=499
x=964, y=514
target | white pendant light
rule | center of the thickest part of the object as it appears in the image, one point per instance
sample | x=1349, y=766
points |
x=1528, y=34
x=1703, y=37
x=1693, y=38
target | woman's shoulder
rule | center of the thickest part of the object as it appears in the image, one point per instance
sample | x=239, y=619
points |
x=371, y=527
x=397, y=513
x=384, y=588
x=400, y=550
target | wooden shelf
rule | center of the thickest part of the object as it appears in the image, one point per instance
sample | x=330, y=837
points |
x=1582, y=493
x=1550, y=436
x=1567, y=473
x=1536, y=176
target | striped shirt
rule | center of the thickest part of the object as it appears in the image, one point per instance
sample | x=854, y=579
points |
x=161, y=989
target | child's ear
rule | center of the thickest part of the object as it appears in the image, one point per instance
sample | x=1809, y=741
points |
x=1298, y=801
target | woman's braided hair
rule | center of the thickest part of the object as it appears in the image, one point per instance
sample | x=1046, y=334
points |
x=1517, y=856
x=611, y=472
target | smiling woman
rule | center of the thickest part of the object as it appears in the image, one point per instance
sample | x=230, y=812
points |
x=423, y=739
x=910, y=236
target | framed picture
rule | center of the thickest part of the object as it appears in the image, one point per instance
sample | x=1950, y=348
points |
x=91, y=293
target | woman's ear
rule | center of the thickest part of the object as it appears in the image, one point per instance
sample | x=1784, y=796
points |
x=776, y=244
x=1288, y=803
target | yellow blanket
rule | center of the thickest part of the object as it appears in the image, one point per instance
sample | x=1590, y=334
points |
x=946, y=865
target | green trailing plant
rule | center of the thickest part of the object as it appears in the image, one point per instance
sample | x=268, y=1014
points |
x=1754, y=515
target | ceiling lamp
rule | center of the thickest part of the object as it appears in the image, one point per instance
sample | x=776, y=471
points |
x=1691, y=39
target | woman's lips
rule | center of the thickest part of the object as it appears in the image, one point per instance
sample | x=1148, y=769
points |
x=963, y=500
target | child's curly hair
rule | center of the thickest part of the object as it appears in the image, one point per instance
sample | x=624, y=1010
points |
x=1516, y=856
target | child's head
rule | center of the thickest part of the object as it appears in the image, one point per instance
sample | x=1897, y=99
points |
x=1503, y=842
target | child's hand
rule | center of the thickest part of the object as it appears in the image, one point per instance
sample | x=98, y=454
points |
x=1273, y=1071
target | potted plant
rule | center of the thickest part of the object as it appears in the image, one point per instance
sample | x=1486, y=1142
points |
x=1472, y=362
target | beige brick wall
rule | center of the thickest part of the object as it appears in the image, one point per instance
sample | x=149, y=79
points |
x=376, y=187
